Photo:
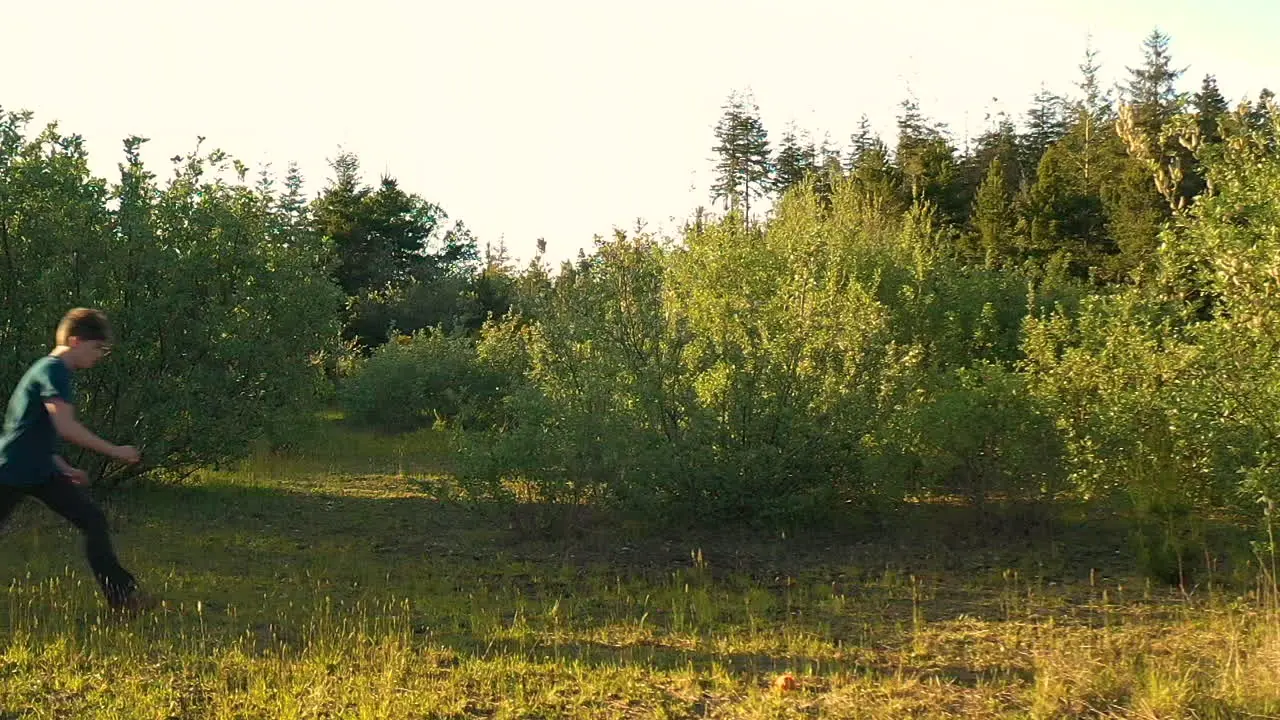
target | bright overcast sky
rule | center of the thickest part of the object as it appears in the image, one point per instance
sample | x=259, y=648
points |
x=562, y=119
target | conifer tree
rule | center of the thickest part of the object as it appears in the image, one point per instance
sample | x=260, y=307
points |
x=992, y=216
x=1046, y=124
x=743, y=166
x=1210, y=106
x=1152, y=88
x=795, y=161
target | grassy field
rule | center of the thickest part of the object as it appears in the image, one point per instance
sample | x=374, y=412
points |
x=333, y=584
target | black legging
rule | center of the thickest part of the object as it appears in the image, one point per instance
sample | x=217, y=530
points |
x=73, y=503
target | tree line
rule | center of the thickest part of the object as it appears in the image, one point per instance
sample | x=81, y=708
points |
x=1068, y=184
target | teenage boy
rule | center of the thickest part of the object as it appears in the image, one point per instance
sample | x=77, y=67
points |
x=42, y=410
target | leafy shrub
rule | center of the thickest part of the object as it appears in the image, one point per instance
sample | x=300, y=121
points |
x=981, y=436
x=745, y=375
x=420, y=379
x=216, y=288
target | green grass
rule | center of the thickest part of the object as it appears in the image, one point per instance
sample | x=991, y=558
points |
x=331, y=583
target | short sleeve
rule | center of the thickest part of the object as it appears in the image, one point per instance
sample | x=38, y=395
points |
x=57, y=383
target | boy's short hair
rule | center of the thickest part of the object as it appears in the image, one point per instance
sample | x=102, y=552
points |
x=86, y=324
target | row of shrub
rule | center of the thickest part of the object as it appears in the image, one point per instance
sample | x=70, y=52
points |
x=843, y=353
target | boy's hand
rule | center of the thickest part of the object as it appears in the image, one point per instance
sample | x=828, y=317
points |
x=126, y=454
x=77, y=476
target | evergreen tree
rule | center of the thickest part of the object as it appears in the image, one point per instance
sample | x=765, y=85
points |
x=387, y=242
x=1000, y=142
x=862, y=141
x=1092, y=117
x=794, y=162
x=927, y=161
x=1152, y=88
x=874, y=172
x=992, y=217
x=1063, y=217
x=1210, y=106
x=1260, y=113
x=743, y=167
x=914, y=131
x=826, y=168
x=1047, y=123
x=336, y=211
x=1161, y=174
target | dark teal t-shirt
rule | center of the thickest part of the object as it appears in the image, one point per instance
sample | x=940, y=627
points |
x=29, y=441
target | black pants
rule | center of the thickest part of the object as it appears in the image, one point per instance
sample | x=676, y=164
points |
x=73, y=503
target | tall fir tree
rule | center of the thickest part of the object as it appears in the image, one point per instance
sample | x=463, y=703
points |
x=1002, y=142
x=1161, y=174
x=1047, y=123
x=861, y=142
x=1092, y=117
x=385, y=241
x=927, y=162
x=1152, y=89
x=743, y=163
x=1261, y=112
x=1210, y=106
x=795, y=160
x=872, y=169
x=826, y=168
x=992, y=217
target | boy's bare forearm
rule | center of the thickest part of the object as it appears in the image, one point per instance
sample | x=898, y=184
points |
x=72, y=431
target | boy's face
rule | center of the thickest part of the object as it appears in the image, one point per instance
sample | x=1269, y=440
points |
x=87, y=353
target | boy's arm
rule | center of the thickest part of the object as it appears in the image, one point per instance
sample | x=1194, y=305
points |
x=69, y=428
x=75, y=475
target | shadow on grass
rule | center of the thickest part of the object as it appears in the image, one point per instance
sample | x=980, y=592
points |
x=954, y=556
x=359, y=537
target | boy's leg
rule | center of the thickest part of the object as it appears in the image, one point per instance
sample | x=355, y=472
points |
x=10, y=496
x=73, y=503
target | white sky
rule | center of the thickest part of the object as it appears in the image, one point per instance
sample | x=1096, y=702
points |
x=563, y=119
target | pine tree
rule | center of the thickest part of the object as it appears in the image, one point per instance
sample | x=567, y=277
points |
x=293, y=203
x=1210, y=106
x=1094, y=100
x=1260, y=112
x=1093, y=116
x=386, y=239
x=743, y=164
x=1046, y=124
x=1152, y=89
x=992, y=217
x=861, y=142
x=826, y=168
x=337, y=211
x=927, y=162
x=914, y=131
x=1062, y=217
x=874, y=172
x=1002, y=142
x=794, y=162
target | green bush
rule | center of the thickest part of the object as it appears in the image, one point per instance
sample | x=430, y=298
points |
x=982, y=437
x=418, y=380
x=217, y=290
x=747, y=375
